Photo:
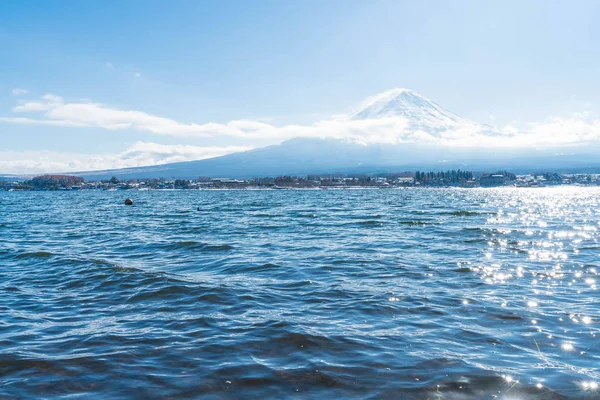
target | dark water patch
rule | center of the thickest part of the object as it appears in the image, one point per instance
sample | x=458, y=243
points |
x=171, y=291
x=463, y=270
x=187, y=244
x=14, y=364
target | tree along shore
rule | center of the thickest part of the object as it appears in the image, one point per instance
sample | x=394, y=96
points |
x=450, y=178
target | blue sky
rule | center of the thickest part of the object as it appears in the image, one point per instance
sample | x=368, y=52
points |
x=275, y=63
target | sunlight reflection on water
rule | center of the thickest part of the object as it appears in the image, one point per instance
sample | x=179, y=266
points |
x=553, y=228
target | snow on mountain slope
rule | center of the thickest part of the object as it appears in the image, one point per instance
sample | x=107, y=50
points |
x=421, y=113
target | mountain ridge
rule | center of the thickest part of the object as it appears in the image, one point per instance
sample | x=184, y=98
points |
x=304, y=155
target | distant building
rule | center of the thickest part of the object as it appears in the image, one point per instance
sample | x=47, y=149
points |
x=405, y=181
x=469, y=183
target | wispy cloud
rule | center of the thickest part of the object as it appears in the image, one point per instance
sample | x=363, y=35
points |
x=109, y=65
x=137, y=74
x=140, y=154
x=19, y=91
x=56, y=111
x=48, y=101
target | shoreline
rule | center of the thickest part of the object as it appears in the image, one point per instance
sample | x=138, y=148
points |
x=303, y=189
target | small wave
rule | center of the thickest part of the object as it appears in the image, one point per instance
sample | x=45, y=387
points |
x=264, y=204
x=506, y=316
x=465, y=213
x=119, y=268
x=35, y=254
x=265, y=215
x=266, y=267
x=365, y=223
x=305, y=215
x=184, y=212
x=374, y=216
x=589, y=248
x=476, y=240
x=193, y=245
x=165, y=292
x=270, y=227
x=518, y=250
x=187, y=243
x=371, y=222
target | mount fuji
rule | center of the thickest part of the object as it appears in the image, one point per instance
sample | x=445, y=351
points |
x=411, y=142
x=420, y=112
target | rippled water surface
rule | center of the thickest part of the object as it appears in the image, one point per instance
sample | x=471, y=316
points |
x=370, y=294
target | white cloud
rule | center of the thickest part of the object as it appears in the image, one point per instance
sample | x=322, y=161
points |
x=52, y=99
x=576, y=130
x=55, y=111
x=29, y=121
x=109, y=65
x=137, y=74
x=19, y=92
x=148, y=153
x=140, y=154
x=557, y=131
x=49, y=101
x=31, y=106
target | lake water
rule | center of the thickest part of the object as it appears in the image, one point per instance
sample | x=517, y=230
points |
x=357, y=294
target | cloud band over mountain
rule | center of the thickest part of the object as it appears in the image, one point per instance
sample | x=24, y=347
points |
x=393, y=117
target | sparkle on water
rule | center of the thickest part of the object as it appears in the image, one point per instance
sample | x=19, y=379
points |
x=420, y=292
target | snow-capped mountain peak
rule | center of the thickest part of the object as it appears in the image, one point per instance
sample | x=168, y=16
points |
x=421, y=113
